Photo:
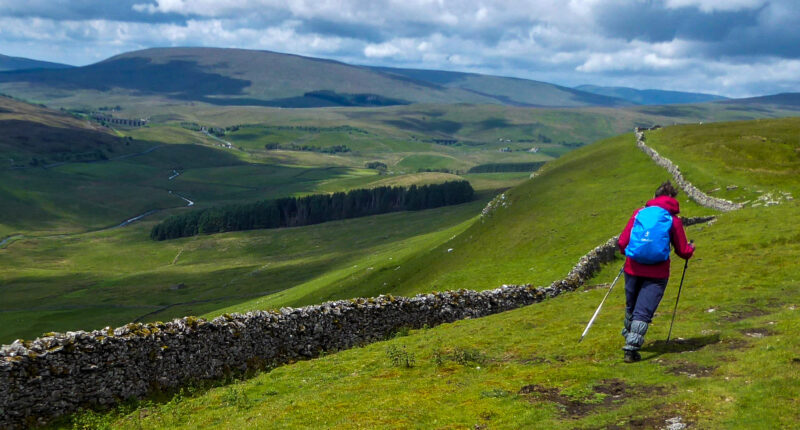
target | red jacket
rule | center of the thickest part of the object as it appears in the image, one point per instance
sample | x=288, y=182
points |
x=677, y=237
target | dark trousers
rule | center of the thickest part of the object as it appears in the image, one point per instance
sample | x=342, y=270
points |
x=642, y=296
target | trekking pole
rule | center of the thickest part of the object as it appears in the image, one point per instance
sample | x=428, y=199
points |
x=601, y=305
x=685, y=265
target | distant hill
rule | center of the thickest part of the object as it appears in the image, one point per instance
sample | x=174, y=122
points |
x=510, y=91
x=785, y=100
x=650, y=97
x=28, y=130
x=262, y=78
x=18, y=63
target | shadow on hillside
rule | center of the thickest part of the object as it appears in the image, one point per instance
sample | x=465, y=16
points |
x=661, y=347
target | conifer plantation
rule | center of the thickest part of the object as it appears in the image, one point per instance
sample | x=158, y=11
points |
x=313, y=209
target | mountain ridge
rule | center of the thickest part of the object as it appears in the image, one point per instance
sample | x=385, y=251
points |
x=8, y=63
x=224, y=76
x=651, y=96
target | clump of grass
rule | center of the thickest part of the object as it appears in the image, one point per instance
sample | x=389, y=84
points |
x=400, y=357
x=236, y=396
x=402, y=331
x=88, y=419
x=459, y=355
x=438, y=357
x=496, y=393
x=467, y=356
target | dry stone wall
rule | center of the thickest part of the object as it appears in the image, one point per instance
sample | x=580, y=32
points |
x=687, y=187
x=55, y=374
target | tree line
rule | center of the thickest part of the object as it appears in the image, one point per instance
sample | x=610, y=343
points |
x=313, y=209
x=507, y=167
x=311, y=148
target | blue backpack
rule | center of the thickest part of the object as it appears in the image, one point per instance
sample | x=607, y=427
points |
x=649, y=242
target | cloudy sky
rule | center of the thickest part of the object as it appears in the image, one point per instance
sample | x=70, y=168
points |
x=729, y=47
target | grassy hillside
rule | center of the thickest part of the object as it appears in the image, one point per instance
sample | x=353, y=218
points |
x=529, y=238
x=48, y=211
x=734, y=364
x=116, y=276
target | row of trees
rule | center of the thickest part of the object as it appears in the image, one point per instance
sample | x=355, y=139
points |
x=313, y=209
x=507, y=167
x=311, y=148
x=377, y=165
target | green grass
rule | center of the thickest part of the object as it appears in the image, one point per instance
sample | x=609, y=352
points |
x=414, y=162
x=91, y=280
x=533, y=239
x=755, y=157
x=734, y=364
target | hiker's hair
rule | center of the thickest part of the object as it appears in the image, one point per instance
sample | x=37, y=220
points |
x=666, y=189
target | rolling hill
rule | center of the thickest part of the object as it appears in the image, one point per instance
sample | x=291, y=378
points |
x=68, y=183
x=650, y=97
x=29, y=130
x=510, y=91
x=262, y=78
x=783, y=100
x=18, y=63
x=732, y=363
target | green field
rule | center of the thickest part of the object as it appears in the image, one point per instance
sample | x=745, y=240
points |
x=121, y=275
x=733, y=363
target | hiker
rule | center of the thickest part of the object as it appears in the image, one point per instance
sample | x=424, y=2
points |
x=646, y=244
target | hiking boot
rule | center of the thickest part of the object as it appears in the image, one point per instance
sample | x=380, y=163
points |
x=632, y=356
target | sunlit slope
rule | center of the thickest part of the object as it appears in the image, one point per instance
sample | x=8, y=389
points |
x=734, y=364
x=534, y=235
x=740, y=160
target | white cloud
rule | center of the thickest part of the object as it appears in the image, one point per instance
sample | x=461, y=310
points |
x=716, y=5
x=381, y=50
x=549, y=40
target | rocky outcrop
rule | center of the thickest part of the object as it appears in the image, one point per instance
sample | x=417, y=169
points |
x=687, y=187
x=55, y=374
